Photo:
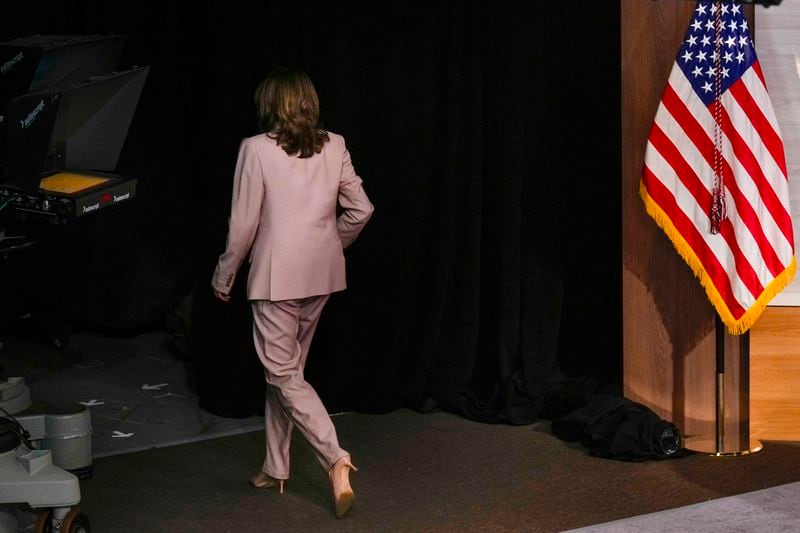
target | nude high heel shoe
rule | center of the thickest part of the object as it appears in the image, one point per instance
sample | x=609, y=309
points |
x=263, y=481
x=339, y=475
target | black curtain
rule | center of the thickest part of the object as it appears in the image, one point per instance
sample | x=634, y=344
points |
x=487, y=136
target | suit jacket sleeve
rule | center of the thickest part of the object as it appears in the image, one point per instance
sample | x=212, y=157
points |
x=248, y=194
x=354, y=201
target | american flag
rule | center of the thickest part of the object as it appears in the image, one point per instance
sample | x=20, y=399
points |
x=714, y=176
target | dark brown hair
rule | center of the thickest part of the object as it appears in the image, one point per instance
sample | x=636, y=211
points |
x=288, y=111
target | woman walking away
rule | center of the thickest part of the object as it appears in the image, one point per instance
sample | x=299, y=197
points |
x=287, y=185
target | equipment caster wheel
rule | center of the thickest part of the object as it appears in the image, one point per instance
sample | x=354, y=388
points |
x=75, y=522
x=44, y=522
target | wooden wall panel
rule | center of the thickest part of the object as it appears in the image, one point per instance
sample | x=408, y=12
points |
x=668, y=323
x=775, y=375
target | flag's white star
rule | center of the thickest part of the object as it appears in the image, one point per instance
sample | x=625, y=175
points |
x=707, y=87
x=692, y=40
x=733, y=26
x=710, y=24
x=697, y=24
x=706, y=40
x=743, y=40
x=730, y=41
x=740, y=57
x=687, y=56
x=735, y=9
x=714, y=56
x=725, y=72
x=701, y=9
x=724, y=9
x=714, y=8
x=697, y=71
x=711, y=71
x=701, y=56
x=743, y=24
x=728, y=57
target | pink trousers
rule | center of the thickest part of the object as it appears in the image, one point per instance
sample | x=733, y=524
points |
x=282, y=331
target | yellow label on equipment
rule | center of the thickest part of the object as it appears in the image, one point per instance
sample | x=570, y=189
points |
x=68, y=183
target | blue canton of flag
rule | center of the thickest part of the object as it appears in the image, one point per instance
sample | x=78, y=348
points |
x=698, y=56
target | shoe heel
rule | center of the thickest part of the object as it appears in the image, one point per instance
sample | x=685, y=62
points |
x=342, y=491
x=263, y=481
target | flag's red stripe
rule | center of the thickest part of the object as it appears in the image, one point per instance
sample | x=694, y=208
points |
x=756, y=66
x=753, y=223
x=694, y=185
x=743, y=267
x=685, y=172
x=768, y=135
x=700, y=138
x=750, y=163
x=666, y=201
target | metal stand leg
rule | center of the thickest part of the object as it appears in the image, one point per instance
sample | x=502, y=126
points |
x=718, y=446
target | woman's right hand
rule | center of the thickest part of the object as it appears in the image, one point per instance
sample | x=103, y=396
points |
x=221, y=296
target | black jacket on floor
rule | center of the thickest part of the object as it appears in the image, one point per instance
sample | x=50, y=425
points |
x=610, y=425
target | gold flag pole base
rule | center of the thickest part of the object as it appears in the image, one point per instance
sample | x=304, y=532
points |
x=719, y=446
x=710, y=446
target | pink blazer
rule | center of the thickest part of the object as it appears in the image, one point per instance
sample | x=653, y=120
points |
x=283, y=212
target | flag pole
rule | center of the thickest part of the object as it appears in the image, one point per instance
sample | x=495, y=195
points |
x=694, y=168
x=720, y=411
x=718, y=446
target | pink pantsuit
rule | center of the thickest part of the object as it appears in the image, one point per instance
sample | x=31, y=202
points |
x=283, y=213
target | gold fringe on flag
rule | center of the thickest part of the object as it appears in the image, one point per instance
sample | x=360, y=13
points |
x=734, y=327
